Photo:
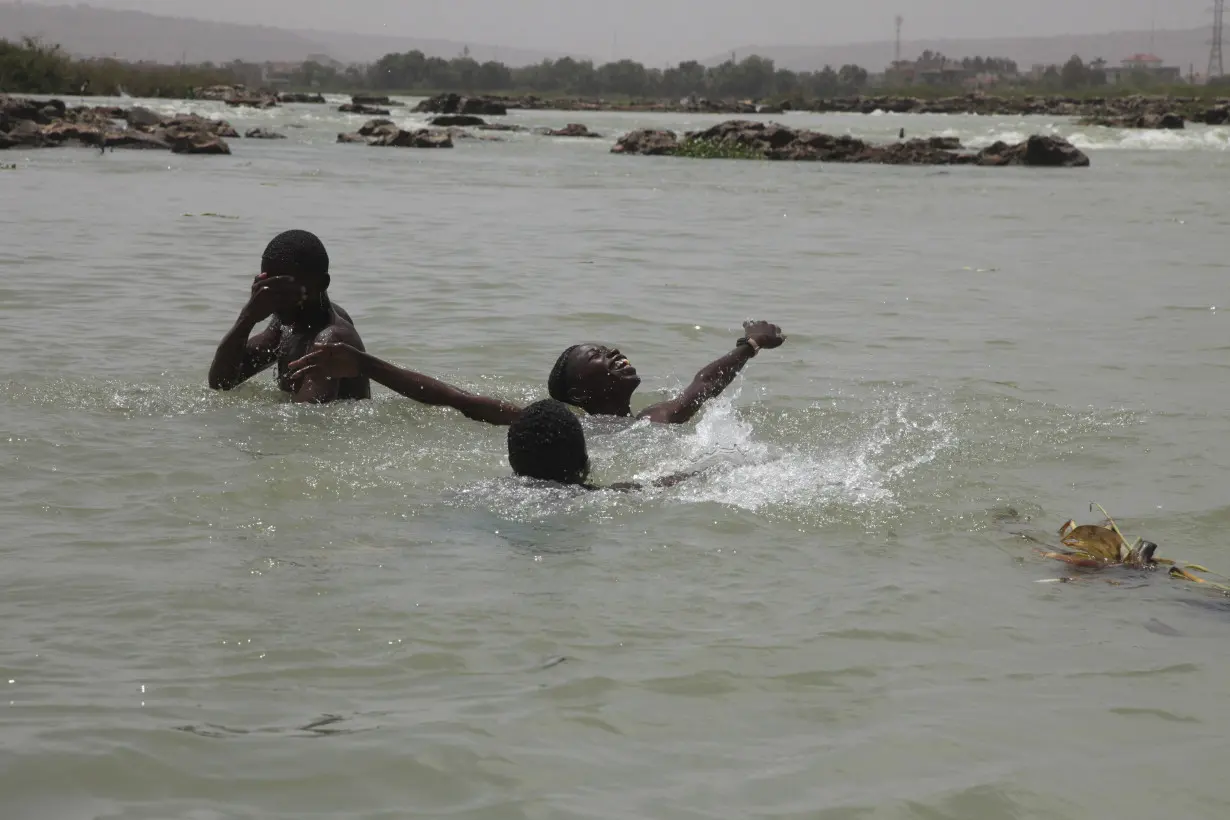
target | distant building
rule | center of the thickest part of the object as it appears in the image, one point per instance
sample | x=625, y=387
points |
x=946, y=74
x=1143, y=64
x=941, y=73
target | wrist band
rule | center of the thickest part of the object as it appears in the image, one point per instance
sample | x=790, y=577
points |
x=749, y=343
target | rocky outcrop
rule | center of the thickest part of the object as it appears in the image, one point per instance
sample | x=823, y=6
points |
x=422, y=138
x=373, y=100
x=457, y=104
x=17, y=109
x=772, y=141
x=186, y=136
x=386, y=133
x=195, y=122
x=26, y=123
x=83, y=133
x=292, y=97
x=365, y=110
x=573, y=129
x=263, y=134
x=458, y=120
x=261, y=101
x=136, y=140
x=647, y=142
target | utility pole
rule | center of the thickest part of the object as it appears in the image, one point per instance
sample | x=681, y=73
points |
x=897, y=49
x=1216, y=68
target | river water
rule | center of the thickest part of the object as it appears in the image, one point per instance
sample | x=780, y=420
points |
x=226, y=606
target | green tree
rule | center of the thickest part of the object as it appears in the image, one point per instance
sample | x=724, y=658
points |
x=1074, y=74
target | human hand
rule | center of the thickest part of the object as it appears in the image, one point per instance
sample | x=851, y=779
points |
x=763, y=334
x=272, y=294
x=332, y=361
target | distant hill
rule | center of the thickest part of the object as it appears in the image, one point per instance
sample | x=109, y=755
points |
x=1180, y=48
x=133, y=35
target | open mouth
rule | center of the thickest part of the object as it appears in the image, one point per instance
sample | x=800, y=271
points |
x=621, y=366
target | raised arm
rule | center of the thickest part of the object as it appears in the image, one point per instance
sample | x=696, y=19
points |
x=715, y=377
x=239, y=357
x=345, y=361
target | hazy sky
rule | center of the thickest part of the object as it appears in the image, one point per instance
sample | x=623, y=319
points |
x=670, y=30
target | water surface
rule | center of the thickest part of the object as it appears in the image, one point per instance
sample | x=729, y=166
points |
x=226, y=606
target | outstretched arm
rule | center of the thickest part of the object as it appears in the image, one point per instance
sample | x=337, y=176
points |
x=238, y=357
x=344, y=361
x=715, y=377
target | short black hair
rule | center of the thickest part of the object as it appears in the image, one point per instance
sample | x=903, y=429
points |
x=547, y=442
x=301, y=251
x=557, y=382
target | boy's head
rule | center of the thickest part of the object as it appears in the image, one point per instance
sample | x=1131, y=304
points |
x=300, y=255
x=592, y=372
x=546, y=442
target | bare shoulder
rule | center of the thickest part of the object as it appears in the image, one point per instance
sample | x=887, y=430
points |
x=341, y=312
x=340, y=330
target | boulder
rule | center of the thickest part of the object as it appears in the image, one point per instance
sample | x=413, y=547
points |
x=263, y=134
x=456, y=120
x=1215, y=116
x=350, y=138
x=375, y=128
x=138, y=117
x=1167, y=121
x=260, y=101
x=19, y=109
x=574, y=129
x=292, y=97
x=198, y=143
x=24, y=134
x=366, y=110
x=647, y=142
x=195, y=122
x=136, y=140
x=1040, y=151
x=422, y=138
x=110, y=112
x=190, y=134
x=65, y=131
x=457, y=104
x=373, y=100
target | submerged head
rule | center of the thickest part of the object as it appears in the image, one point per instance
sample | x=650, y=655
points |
x=546, y=442
x=302, y=256
x=592, y=374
